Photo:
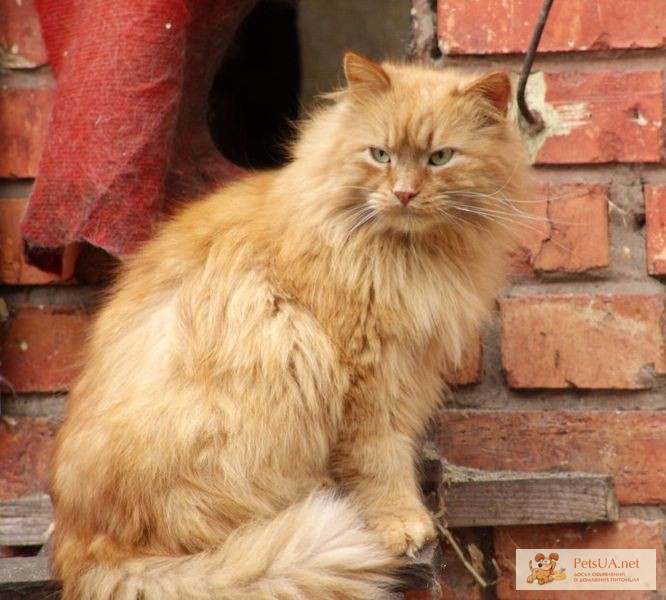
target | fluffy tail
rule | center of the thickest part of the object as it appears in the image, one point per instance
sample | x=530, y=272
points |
x=317, y=549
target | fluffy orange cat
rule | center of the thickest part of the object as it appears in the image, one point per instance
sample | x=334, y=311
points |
x=258, y=384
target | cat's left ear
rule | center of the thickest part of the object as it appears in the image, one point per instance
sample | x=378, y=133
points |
x=495, y=88
x=362, y=74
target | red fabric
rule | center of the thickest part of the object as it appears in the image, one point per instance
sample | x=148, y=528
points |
x=128, y=133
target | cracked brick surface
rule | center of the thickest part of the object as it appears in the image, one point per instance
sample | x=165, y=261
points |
x=565, y=229
x=583, y=341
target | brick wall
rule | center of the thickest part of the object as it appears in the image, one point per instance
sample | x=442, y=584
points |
x=44, y=326
x=573, y=371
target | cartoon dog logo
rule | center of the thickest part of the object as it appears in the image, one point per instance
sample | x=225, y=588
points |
x=544, y=571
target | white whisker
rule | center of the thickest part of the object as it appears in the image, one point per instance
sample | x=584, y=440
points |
x=513, y=213
x=508, y=220
x=459, y=221
x=366, y=215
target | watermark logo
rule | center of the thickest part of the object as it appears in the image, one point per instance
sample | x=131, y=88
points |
x=544, y=569
x=586, y=569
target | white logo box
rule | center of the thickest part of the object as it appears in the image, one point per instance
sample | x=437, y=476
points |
x=587, y=569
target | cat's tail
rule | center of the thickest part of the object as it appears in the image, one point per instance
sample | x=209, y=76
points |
x=317, y=549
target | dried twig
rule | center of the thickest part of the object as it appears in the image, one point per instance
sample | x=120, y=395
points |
x=448, y=536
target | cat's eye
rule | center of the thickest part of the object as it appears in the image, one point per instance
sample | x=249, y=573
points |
x=441, y=157
x=381, y=156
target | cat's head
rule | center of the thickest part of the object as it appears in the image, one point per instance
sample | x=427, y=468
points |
x=413, y=148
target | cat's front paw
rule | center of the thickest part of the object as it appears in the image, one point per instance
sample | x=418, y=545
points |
x=404, y=531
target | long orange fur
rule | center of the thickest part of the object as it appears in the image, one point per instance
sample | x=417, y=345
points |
x=257, y=385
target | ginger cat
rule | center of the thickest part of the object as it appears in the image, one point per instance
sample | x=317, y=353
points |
x=257, y=386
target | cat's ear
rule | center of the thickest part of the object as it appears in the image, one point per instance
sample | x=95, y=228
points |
x=495, y=88
x=363, y=74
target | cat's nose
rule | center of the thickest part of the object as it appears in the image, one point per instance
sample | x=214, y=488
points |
x=404, y=197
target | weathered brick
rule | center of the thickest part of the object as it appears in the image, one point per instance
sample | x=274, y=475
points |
x=506, y=26
x=24, y=116
x=590, y=117
x=25, y=454
x=41, y=348
x=655, y=228
x=626, y=533
x=566, y=229
x=469, y=370
x=13, y=269
x=629, y=445
x=21, y=43
x=417, y=595
x=593, y=342
x=421, y=595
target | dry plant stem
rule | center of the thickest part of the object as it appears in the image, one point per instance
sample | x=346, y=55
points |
x=458, y=550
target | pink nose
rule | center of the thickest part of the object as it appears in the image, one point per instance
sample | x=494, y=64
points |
x=404, y=197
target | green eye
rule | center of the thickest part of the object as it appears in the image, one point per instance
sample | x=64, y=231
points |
x=381, y=156
x=441, y=157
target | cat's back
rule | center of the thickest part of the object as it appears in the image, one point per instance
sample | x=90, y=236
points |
x=214, y=227
x=206, y=235
x=182, y=272
x=146, y=363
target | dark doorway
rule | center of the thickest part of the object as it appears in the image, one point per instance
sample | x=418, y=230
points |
x=256, y=91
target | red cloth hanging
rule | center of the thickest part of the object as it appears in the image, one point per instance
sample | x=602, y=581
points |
x=128, y=134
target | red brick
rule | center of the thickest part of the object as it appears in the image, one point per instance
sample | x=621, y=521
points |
x=592, y=342
x=25, y=454
x=24, y=116
x=469, y=370
x=566, y=229
x=506, y=26
x=455, y=590
x=630, y=445
x=591, y=117
x=13, y=269
x=418, y=596
x=626, y=533
x=655, y=228
x=21, y=43
x=41, y=348
x=422, y=595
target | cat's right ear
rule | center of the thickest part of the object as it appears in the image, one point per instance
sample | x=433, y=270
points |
x=362, y=74
x=495, y=88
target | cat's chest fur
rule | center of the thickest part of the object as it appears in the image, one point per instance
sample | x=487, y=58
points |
x=391, y=305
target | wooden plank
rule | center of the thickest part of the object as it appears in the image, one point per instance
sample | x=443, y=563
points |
x=25, y=521
x=471, y=498
x=22, y=578
x=476, y=498
x=29, y=577
x=34, y=405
